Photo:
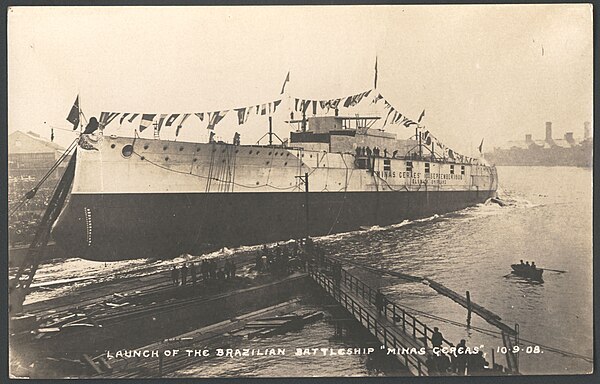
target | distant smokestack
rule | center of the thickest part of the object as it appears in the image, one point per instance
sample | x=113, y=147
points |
x=586, y=130
x=569, y=137
x=549, y=131
x=528, y=138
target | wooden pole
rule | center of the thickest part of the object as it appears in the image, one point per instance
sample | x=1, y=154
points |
x=306, y=203
x=270, y=131
x=468, y=308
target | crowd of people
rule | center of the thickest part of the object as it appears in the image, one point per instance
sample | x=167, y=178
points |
x=284, y=258
x=461, y=363
x=375, y=152
x=22, y=225
x=527, y=265
x=209, y=270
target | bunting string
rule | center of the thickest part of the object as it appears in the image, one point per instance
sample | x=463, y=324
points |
x=243, y=114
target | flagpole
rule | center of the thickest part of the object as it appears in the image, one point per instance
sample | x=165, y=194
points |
x=80, y=111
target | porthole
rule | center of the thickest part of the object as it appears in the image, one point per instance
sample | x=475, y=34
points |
x=270, y=153
x=198, y=149
x=288, y=154
x=250, y=152
x=142, y=158
x=180, y=149
x=146, y=146
x=167, y=158
x=195, y=160
x=237, y=151
x=165, y=148
x=282, y=154
x=285, y=163
x=112, y=145
x=223, y=151
x=214, y=149
x=268, y=162
x=223, y=161
x=127, y=150
x=257, y=183
x=257, y=152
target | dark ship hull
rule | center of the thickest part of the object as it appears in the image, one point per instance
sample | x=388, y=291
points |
x=128, y=226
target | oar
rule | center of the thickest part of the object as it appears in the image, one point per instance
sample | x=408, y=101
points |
x=554, y=270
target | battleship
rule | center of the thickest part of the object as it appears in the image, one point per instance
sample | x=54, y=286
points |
x=151, y=198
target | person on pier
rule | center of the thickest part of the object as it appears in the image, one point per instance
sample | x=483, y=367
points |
x=379, y=301
x=436, y=337
x=227, y=269
x=232, y=268
x=460, y=361
x=184, y=272
x=193, y=273
x=175, y=276
x=204, y=270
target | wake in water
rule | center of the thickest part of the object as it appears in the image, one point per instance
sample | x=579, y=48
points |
x=514, y=199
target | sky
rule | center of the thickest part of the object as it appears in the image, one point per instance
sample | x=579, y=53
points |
x=479, y=72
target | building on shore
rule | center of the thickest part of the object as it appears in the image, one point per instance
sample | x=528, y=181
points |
x=30, y=157
x=566, y=151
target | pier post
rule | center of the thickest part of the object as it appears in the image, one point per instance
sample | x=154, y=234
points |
x=468, y=308
x=160, y=364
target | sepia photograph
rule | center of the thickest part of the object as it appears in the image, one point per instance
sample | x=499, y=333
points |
x=300, y=191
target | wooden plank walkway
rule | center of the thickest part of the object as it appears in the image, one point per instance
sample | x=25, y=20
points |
x=393, y=327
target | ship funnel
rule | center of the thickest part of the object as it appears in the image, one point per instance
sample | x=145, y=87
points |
x=586, y=130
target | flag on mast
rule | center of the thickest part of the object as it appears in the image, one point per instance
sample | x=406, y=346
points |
x=73, y=117
x=287, y=79
x=421, y=117
x=481, y=147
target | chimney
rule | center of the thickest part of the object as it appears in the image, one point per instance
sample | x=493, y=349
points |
x=549, y=131
x=528, y=139
x=569, y=138
x=586, y=130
